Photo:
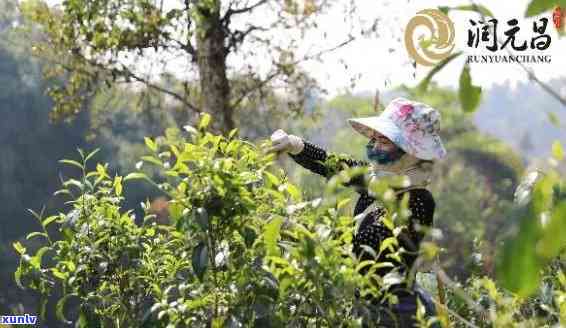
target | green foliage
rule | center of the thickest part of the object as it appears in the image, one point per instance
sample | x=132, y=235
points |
x=29, y=170
x=470, y=94
x=530, y=269
x=540, y=236
x=94, y=47
x=476, y=221
x=557, y=151
x=482, y=10
x=241, y=247
x=537, y=7
x=423, y=85
x=495, y=160
x=489, y=305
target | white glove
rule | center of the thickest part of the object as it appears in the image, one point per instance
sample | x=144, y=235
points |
x=283, y=142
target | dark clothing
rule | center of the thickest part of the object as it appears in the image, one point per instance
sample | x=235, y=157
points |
x=402, y=314
x=397, y=315
x=372, y=232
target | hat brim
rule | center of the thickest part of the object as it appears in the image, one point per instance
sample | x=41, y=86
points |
x=427, y=147
x=368, y=125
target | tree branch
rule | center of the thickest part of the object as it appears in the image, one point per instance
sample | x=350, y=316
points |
x=322, y=52
x=455, y=314
x=237, y=37
x=231, y=11
x=533, y=77
x=259, y=85
x=188, y=47
x=130, y=75
x=276, y=73
x=543, y=85
x=127, y=73
x=442, y=276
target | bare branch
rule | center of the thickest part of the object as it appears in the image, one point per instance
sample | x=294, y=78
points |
x=258, y=86
x=127, y=73
x=533, y=77
x=543, y=85
x=188, y=48
x=237, y=37
x=322, y=52
x=231, y=11
x=279, y=70
x=376, y=101
x=455, y=314
x=458, y=291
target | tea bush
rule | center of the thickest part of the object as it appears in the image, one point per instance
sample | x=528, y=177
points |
x=242, y=248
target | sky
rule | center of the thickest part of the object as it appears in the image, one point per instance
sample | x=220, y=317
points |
x=370, y=57
x=380, y=61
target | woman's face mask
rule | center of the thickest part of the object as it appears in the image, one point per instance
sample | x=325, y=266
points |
x=377, y=154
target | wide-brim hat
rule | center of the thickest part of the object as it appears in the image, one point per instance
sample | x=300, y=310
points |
x=411, y=125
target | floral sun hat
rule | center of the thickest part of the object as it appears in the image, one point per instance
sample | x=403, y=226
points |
x=411, y=125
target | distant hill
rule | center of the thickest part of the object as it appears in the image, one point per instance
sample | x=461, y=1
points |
x=520, y=117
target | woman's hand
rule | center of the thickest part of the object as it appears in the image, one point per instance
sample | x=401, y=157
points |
x=286, y=143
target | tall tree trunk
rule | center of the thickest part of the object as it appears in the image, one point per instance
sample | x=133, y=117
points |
x=211, y=55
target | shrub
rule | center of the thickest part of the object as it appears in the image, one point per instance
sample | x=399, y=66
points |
x=242, y=247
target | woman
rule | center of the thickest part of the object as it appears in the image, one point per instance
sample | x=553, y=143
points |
x=403, y=140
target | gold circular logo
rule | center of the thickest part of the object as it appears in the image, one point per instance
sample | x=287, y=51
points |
x=440, y=41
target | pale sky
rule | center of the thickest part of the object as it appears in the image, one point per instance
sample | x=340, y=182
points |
x=378, y=67
x=371, y=59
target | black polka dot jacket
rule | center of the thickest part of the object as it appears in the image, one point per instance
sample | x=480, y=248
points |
x=372, y=231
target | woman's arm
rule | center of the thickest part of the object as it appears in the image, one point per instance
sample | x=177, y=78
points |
x=327, y=164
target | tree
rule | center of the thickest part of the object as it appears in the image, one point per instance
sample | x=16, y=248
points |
x=98, y=43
